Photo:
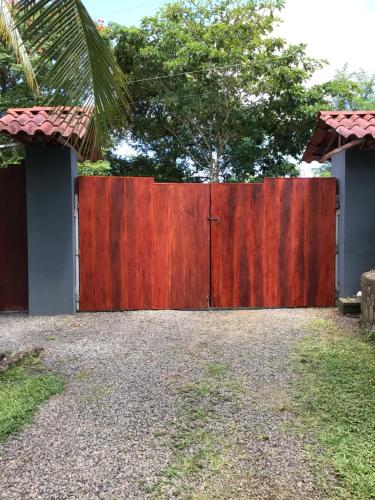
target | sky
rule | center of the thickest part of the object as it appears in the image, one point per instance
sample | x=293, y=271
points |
x=340, y=31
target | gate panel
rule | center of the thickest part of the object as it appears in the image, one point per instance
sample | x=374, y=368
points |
x=274, y=245
x=181, y=246
x=143, y=245
x=13, y=240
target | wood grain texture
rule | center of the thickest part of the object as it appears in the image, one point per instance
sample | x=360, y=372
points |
x=13, y=240
x=143, y=245
x=274, y=246
x=151, y=246
x=185, y=240
x=161, y=288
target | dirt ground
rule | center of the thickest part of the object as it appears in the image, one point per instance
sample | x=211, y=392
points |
x=161, y=405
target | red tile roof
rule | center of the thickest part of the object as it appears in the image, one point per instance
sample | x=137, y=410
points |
x=335, y=129
x=49, y=125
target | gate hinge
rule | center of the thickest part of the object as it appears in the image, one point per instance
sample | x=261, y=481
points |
x=337, y=202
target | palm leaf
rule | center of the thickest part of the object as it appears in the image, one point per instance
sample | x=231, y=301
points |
x=11, y=36
x=83, y=71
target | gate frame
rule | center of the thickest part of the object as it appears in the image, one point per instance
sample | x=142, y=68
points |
x=211, y=216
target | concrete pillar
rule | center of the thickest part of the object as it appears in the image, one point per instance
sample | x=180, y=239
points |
x=355, y=171
x=50, y=183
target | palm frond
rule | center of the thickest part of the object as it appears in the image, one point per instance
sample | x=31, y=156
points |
x=12, y=38
x=82, y=68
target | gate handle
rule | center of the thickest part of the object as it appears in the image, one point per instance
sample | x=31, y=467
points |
x=214, y=219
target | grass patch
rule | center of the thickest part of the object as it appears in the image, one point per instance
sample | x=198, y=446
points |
x=199, y=445
x=336, y=400
x=22, y=389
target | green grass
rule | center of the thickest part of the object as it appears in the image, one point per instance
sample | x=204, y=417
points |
x=22, y=390
x=199, y=449
x=336, y=399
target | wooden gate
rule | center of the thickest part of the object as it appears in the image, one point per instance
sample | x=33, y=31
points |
x=143, y=245
x=273, y=244
x=190, y=246
x=13, y=240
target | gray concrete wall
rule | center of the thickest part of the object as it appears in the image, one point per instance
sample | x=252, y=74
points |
x=355, y=171
x=50, y=181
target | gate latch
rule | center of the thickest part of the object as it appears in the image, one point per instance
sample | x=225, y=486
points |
x=214, y=219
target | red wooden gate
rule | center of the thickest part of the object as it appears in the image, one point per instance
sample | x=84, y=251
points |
x=152, y=246
x=274, y=243
x=143, y=245
x=13, y=240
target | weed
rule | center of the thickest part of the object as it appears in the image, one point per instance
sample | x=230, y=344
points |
x=23, y=389
x=83, y=374
x=198, y=450
x=96, y=393
x=336, y=400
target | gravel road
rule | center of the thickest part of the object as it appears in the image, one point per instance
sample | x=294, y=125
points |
x=132, y=382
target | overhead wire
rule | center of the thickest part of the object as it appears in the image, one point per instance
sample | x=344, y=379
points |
x=203, y=70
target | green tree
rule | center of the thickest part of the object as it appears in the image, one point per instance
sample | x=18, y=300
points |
x=14, y=92
x=161, y=169
x=215, y=92
x=351, y=90
x=348, y=90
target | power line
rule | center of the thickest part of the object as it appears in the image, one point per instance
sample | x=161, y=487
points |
x=183, y=73
x=161, y=77
x=178, y=97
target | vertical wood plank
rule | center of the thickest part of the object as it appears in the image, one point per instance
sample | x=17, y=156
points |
x=314, y=241
x=286, y=285
x=117, y=243
x=176, y=248
x=298, y=251
x=182, y=220
x=225, y=210
x=257, y=252
x=131, y=244
x=146, y=241
x=161, y=286
x=272, y=229
x=242, y=275
x=326, y=286
x=101, y=245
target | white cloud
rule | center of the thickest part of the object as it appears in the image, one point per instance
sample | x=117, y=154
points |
x=341, y=31
x=124, y=149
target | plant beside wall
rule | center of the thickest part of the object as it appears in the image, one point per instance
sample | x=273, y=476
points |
x=336, y=401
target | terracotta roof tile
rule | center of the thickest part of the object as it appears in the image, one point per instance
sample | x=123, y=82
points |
x=345, y=126
x=46, y=124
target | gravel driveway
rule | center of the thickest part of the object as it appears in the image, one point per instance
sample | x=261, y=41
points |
x=161, y=404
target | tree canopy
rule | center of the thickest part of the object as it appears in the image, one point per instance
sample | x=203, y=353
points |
x=216, y=92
